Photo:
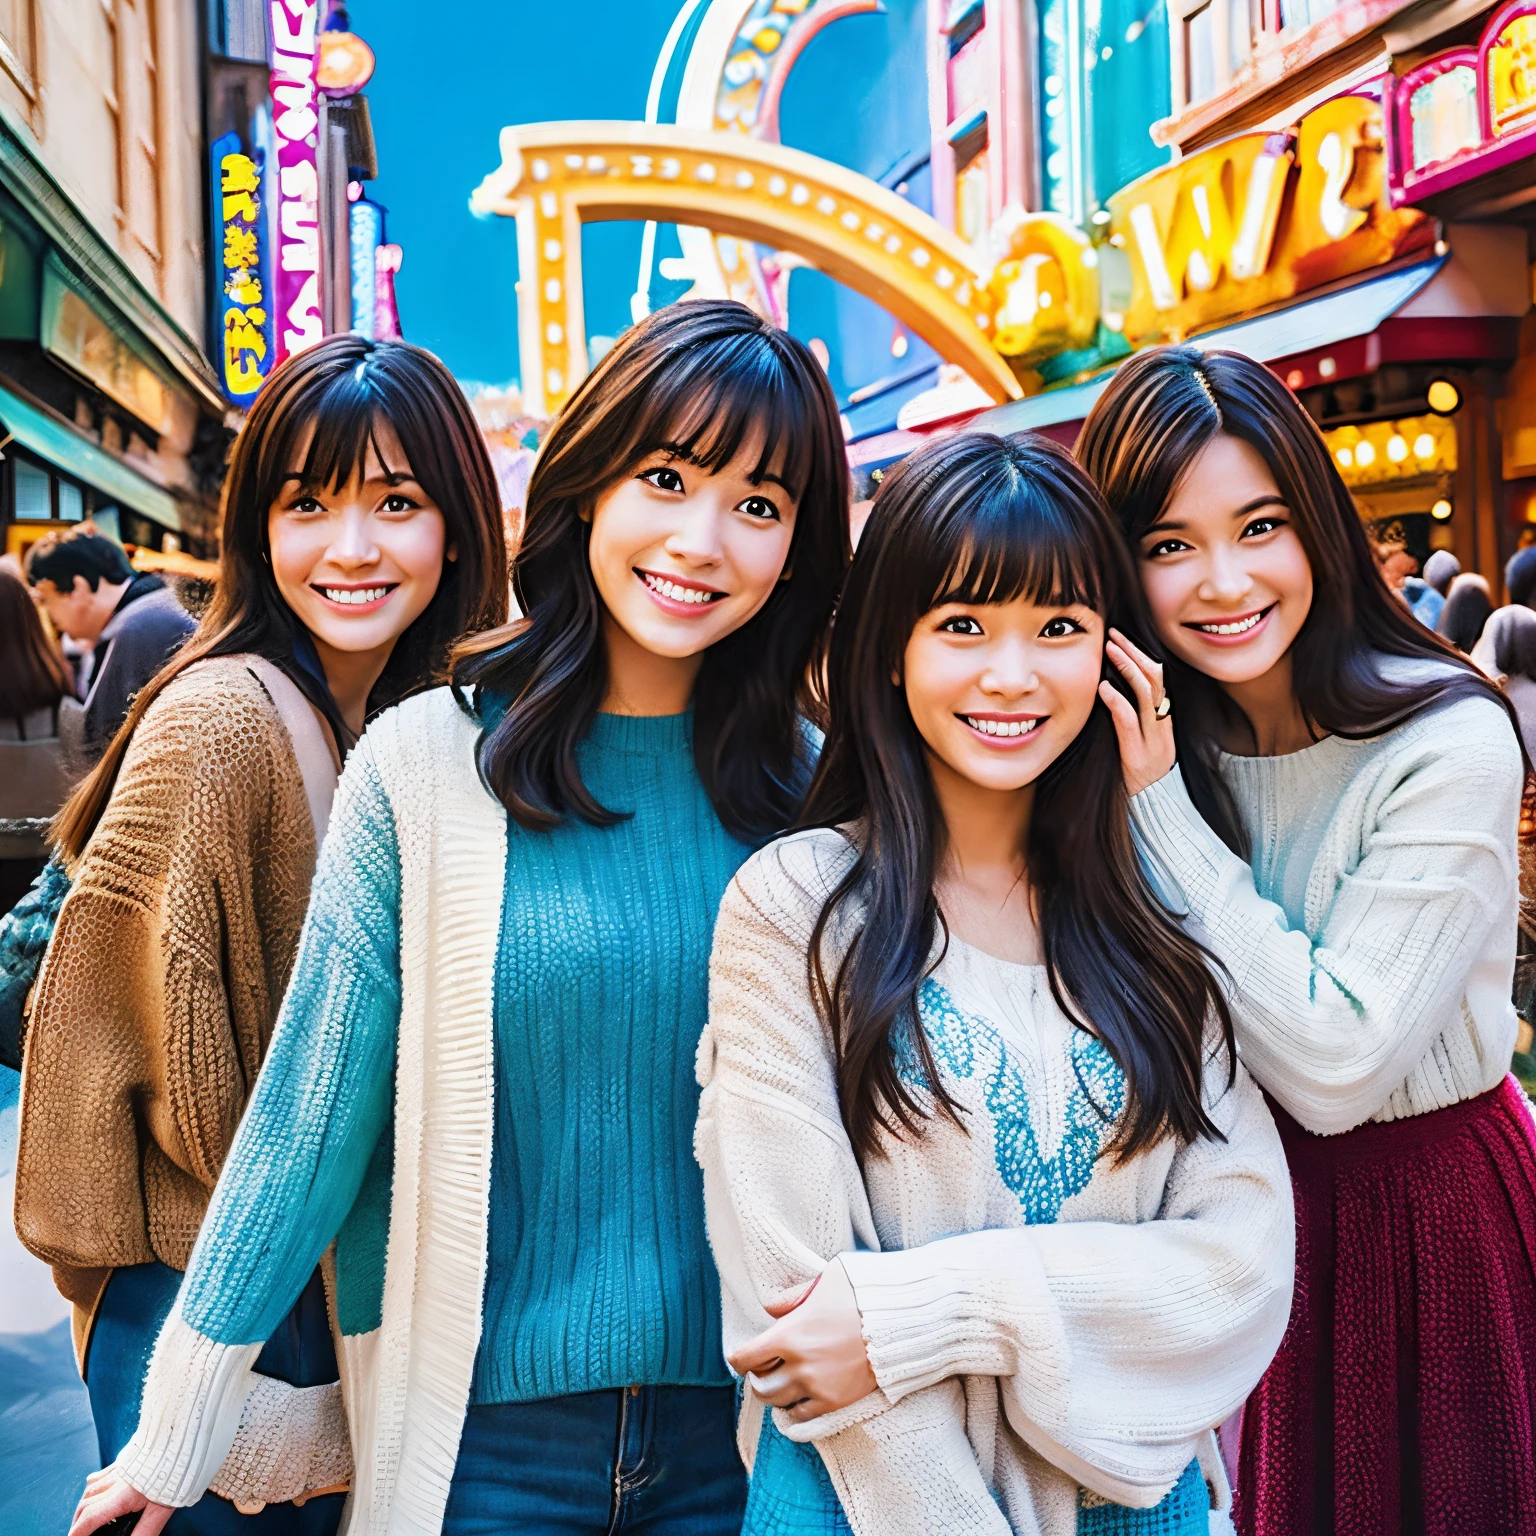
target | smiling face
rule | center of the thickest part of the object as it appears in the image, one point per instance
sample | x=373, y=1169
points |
x=357, y=563
x=998, y=691
x=1225, y=574
x=681, y=557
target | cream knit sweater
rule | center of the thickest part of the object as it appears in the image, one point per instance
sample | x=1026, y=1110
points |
x=1047, y=1330
x=1390, y=997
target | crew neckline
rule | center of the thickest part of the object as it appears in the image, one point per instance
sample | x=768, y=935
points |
x=986, y=956
x=1318, y=749
x=642, y=735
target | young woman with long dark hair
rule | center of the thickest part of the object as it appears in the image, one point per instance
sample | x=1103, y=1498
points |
x=1341, y=833
x=481, y=1086
x=361, y=536
x=968, y=1079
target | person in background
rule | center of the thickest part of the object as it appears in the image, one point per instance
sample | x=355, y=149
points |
x=1466, y=612
x=132, y=621
x=34, y=688
x=1506, y=651
x=1425, y=596
x=1520, y=577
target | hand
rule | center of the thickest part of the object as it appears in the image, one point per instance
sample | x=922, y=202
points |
x=814, y=1360
x=107, y=1498
x=1146, y=742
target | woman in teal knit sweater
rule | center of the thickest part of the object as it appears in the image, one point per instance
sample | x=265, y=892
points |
x=478, y=1108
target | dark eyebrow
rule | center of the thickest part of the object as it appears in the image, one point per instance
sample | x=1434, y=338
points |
x=1270, y=499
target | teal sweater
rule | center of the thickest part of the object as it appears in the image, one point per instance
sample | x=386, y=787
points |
x=599, y=1273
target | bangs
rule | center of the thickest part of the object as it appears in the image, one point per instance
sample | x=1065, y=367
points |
x=1006, y=539
x=345, y=411
x=729, y=393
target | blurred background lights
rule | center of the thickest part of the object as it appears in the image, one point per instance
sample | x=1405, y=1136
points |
x=1365, y=454
x=1397, y=448
x=1443, y=398
x=1346, y=458
x=1424, y=446
x=1441, y=510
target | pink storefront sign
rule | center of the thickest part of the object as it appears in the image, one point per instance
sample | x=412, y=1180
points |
x=296, y=122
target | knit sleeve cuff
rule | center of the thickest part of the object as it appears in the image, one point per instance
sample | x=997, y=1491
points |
x=1185, y=856
x=974, y=1305
x=190, y=1415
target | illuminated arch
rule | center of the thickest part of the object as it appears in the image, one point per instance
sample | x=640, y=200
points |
x=556, y=176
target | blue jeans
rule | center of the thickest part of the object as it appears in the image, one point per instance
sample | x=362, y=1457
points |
x=656, y=1459
x=137, y=1300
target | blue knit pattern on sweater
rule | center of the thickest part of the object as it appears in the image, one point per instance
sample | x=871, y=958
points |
x=318, y=1120
x=965, y=1043
x=600, y=1273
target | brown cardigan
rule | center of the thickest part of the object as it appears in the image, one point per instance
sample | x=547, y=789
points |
x=162, y=984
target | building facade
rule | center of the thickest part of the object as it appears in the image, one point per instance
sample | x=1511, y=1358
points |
x=182, y=204
x=108, y=405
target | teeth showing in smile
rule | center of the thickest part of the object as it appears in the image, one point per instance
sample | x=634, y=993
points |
x=350, y=595
x=675, y=592
x=1240, y=627
x=1002, y=727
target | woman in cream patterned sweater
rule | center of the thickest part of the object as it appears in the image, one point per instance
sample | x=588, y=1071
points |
x=972, y=1127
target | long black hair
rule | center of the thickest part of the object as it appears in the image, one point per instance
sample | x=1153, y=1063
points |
x=703, y=379
x=338, y=393
x=1159, y=413
x=984, y=519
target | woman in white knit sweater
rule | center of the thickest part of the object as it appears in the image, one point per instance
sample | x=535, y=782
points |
x=972, y=1127
x=1341, y=834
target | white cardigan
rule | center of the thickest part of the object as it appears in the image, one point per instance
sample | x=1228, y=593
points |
x=1392, y=996
x=1040, y=1321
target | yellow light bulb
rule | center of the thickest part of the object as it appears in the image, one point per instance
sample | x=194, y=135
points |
x=1397, y=447
x=1441, y=510
x=1443, y=396
x=1424, y=446
x=1365, y=454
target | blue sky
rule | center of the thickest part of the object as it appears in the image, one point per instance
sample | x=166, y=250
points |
x=443, y=92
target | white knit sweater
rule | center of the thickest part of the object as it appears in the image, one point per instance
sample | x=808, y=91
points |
x=1040, y=1321
x=1390, y=996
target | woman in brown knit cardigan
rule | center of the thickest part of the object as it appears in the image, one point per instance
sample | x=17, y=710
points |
x=362, y=535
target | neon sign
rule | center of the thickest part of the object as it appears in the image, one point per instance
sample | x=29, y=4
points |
x=296, y=277
x=1466, y=112
x=243, y=321
x=365, y=221
x=1258, y=219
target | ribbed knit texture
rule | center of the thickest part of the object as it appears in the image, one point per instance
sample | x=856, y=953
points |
x=1040, y=1319
x=600, y=1273
x=1371, y=934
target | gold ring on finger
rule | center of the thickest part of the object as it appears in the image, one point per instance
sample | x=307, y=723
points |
x=1164, y=708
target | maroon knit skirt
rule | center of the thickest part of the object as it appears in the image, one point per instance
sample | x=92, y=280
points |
x=1403, y=1398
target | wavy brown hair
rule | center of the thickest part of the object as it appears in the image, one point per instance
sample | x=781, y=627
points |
x=984, y=519
x=1160, y=411
x=703, y=379
x=342, y=389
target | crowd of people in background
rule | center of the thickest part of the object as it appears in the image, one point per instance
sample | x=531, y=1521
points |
x=1005, y=1032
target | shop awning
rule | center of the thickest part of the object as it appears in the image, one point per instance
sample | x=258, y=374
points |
x=1321, y=322
x=50, y=439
